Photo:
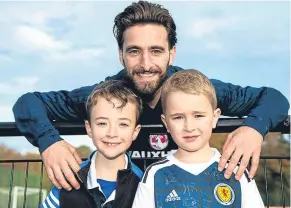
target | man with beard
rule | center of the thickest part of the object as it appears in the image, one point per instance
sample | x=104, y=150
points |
x=146, y=37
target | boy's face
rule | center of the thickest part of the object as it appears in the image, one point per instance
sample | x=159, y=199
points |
x=146, y=56
x=189, y=119
x=112, y=129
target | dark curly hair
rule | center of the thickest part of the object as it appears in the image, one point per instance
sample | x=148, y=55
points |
x=144, y=12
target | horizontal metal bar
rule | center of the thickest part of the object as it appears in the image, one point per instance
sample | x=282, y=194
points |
x=273, y=157
x=20, y=161
x=225, y=125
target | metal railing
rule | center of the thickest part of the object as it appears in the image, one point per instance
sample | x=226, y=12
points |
x=225, y=125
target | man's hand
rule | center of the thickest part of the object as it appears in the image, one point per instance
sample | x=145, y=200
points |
x=243, y=143
x=60, y=159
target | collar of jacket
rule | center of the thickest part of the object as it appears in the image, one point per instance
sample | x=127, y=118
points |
x=85, y=169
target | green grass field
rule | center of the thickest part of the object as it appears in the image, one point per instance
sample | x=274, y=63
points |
x=19, y=176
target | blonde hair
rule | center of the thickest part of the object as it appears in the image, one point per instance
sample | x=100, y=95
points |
x=189, y=81
x=114, y=89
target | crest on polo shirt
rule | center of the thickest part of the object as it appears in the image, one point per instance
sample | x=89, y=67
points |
x=158, y=141
x=224, y=194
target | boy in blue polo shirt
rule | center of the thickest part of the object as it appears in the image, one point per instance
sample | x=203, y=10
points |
x=108, y=178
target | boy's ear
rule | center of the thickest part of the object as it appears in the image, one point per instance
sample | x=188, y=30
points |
x=216, y=116
x=88, y=128
x=136, y=132
x=163, y=118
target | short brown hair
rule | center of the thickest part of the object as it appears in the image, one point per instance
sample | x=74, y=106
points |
x=114, y=89
x=189, y=81
x=144, y=12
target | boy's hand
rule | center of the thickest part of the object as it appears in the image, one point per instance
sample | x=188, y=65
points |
x=243, y=143
x=60, y=159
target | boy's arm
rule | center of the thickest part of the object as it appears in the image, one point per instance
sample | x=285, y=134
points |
x=265, y=108
x=250, y=194
x=144, y=197
x=52, y=199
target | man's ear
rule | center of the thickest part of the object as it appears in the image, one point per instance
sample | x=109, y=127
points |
x=136, y=132
x=217, y=113
x=163, y=118
x=88, y=128
x=121, y=57
x=172, y=55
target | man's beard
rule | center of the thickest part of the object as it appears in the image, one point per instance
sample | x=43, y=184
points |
x=148, y=90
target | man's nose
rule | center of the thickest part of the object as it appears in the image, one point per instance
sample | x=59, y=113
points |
x=146, y=61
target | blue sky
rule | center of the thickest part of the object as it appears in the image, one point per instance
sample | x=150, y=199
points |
x=48, y=46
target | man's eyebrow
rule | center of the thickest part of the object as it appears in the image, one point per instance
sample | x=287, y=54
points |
x=130, y=47
x=157, y=47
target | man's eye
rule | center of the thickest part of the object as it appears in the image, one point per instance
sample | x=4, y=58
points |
x=133, y=52
x=156, y=51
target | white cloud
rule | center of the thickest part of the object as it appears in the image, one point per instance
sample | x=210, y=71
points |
x=55, y=32
x=82, y=54
x=209, y=26
x=19, y=85
x=207, y=33
x=214, y=46
x=46, y=45
x=17, y=18
x=36, y=13
x=35, y=39
x=20, y=15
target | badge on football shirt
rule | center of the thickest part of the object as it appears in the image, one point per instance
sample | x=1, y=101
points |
x=158, y=141
x=224, y=194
